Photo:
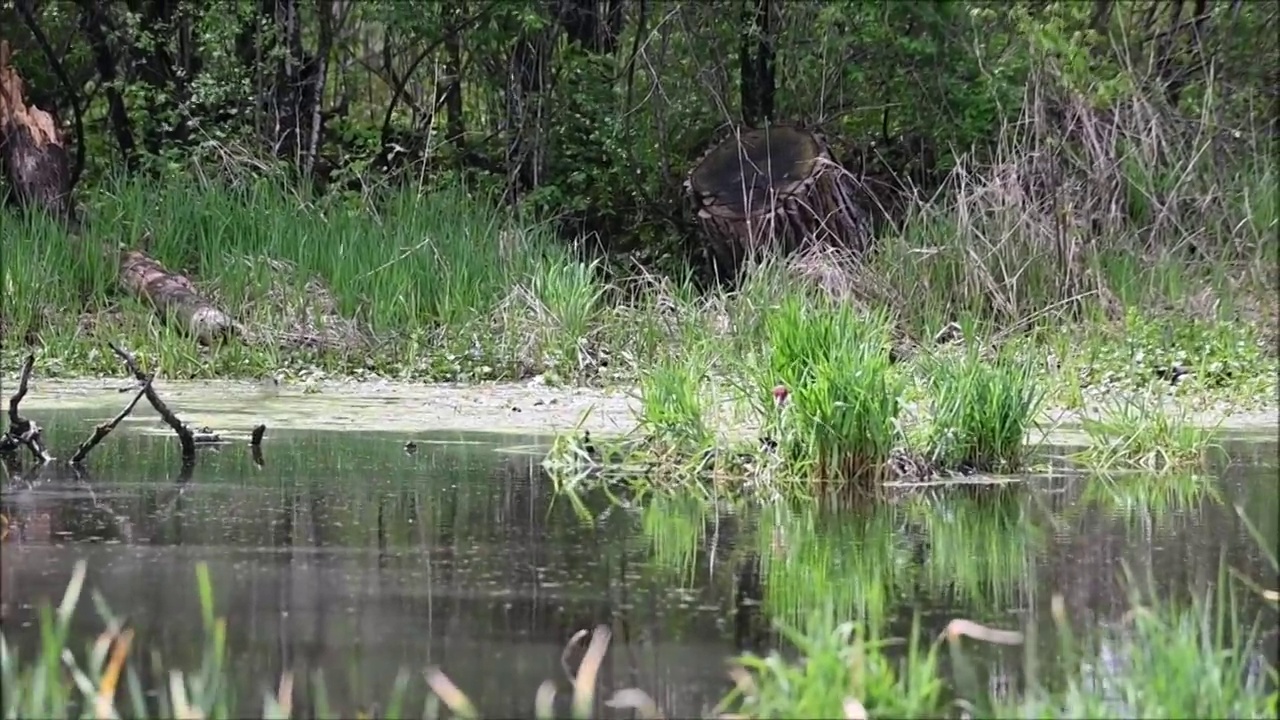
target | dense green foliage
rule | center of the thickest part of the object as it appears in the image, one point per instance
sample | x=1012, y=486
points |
x=590, y=111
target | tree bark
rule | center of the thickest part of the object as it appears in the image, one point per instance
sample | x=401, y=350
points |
x=775, y=190
x=174, y=297
x=32, y=150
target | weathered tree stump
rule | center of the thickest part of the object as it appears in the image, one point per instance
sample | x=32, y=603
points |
x=778, y=190
x=34, y=158
x=31, y=149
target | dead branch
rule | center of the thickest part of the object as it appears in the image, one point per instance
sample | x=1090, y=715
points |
x=185, y=436
x=101, y=432
x=22, y=431
x=255, y=445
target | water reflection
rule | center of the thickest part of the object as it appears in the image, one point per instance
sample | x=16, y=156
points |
x=346, y=555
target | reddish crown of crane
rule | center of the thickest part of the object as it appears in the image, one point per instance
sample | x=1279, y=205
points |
x=780, y=394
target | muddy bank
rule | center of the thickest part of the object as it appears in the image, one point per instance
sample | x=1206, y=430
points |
x=409, y=408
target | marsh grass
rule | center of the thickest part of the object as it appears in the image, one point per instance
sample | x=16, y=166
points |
x=845, y=672
x=429, y=284
x=1145, y=432
x=840, y=422
x=676, y=406
x=1196, y=660
x=980, y=411
x=1162, y=661
x=57, y=682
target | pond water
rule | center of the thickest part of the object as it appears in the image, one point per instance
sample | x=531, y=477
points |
x=345, y=554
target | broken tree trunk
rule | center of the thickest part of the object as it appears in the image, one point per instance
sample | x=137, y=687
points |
x=174, y=297
x=31, y=149
x=33, y=153
x=775, y=189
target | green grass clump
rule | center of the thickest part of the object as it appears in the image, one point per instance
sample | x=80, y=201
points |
x=845, y=673
x=1163, y=661
x=1143, y=432
x=439, y=285
x=841, y=420
x=980, y=411
x=1170, y=661
x=674, y=409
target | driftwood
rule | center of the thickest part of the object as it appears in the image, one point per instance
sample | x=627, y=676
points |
x=775, y=189
x=101, y=432
x=35, y=161
x=185, y=436
x=23, y=431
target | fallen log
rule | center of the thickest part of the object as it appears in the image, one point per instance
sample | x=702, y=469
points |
x=775, y=189
x=35, y=161
x=174, y=297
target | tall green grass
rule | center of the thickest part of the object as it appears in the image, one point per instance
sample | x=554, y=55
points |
x=401, y=285
x=980, y=411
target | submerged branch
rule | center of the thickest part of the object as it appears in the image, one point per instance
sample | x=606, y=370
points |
x=101, y=432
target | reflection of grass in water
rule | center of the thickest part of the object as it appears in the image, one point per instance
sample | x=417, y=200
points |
x=978, y=548
x=851, y=563
x=676, y=530
x=1149, y=498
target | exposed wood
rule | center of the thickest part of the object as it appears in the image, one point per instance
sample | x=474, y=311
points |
x=101, y=432
x=185, y=436
x=174, y=297
x=22, y=431
x=32, y=149
x=776, y=189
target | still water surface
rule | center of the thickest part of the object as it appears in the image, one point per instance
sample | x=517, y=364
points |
x=344, y=554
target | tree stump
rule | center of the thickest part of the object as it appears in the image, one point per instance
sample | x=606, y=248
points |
x=31, y=148
x=778, y=190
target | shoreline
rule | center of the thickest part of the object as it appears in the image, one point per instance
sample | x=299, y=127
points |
x=412, y=408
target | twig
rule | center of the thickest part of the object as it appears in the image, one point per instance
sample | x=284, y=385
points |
x=185, y=435
x=22, y=431
x=101, y=432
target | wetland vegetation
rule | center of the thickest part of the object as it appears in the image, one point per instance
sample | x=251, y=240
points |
x=325, y=580
x=835, y=453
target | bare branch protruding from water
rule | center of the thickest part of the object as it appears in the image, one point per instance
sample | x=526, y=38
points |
x=22, y=431
x=101, y=432
x=185, y=436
